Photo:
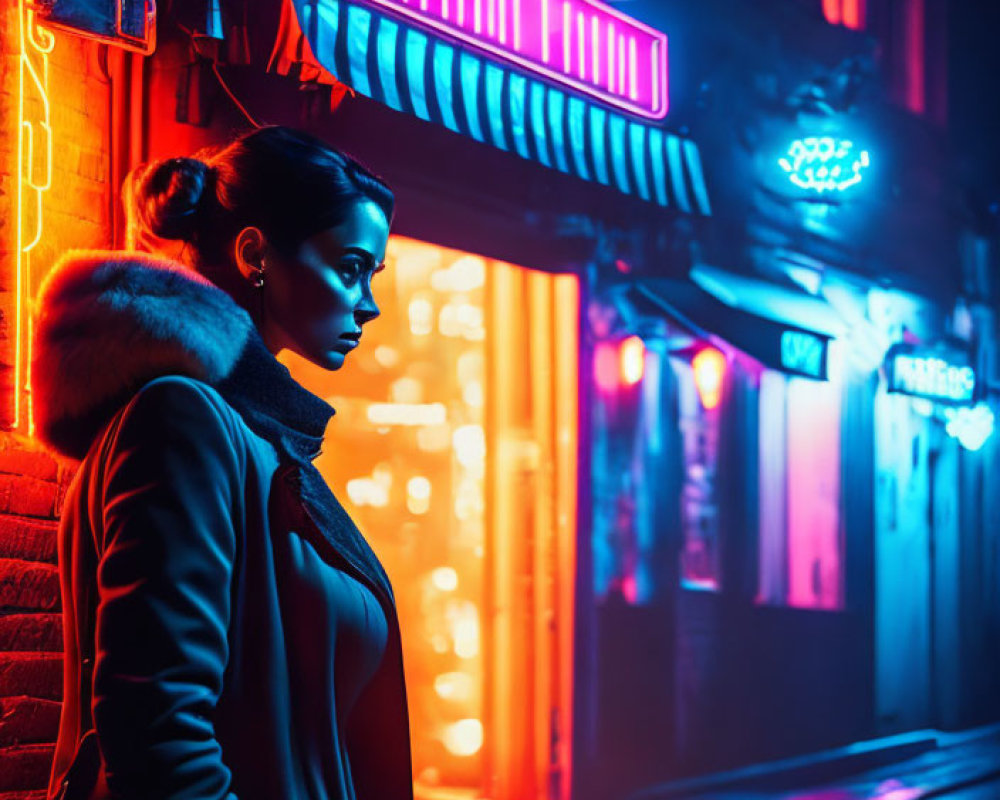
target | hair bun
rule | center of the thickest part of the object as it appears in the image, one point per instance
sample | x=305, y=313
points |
x=170, y=195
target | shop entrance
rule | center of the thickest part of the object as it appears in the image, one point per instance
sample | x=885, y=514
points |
x=918, y=558
x=454, y=448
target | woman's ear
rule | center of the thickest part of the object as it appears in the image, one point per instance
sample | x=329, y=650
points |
x=249, y=248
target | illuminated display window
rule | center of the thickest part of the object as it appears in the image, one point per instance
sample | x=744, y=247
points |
x=700, y=386
x=800, y=537
x=582, y=44
x=626, y=432
x=454, y=448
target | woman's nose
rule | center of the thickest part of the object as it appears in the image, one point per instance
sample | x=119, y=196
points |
x=366, y=310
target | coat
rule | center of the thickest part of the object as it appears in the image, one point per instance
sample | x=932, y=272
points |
x=195, y=482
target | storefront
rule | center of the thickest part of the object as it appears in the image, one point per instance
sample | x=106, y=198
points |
x=517, y=161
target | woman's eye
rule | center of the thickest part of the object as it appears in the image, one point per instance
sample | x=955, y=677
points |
x=350, y=269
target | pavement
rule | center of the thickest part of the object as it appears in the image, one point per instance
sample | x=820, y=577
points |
x=918, y=766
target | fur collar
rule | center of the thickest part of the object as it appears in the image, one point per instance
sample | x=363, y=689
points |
x=107, y=322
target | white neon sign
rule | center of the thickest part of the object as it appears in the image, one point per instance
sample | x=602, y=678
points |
x=933, y=377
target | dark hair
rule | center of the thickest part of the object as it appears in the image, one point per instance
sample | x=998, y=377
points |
x=286, y=182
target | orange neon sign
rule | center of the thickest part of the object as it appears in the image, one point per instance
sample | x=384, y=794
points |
x=34, y=178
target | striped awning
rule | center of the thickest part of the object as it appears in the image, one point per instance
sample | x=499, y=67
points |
x=401, y=66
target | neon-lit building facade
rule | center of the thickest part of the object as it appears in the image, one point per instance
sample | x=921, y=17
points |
x=627, y=418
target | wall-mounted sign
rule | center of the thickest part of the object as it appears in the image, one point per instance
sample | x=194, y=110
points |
x=942, y=375
x=582, y=44
x=130, y=24
x=804, y=353
x=824, y=163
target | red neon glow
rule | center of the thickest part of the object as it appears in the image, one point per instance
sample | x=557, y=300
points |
x=633, y=360
x=582, y=44
x=849, y=13
x=606, y=366
x=853, y=12
x=709, y=371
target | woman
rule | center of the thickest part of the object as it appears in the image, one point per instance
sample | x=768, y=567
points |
x=228, y=631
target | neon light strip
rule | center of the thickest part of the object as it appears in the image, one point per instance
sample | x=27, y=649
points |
x=595, y=48
x=545, y=32
x=635, y=59
x=611, y=57
x=566, y=37
x=35, y=45
x=621, y=63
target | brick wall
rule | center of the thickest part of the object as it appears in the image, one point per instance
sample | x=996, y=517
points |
x=32, y=486
x=32, y=481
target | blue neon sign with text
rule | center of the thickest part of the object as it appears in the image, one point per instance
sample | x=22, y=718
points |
x=943, y=377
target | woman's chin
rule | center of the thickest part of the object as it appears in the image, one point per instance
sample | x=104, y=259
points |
x=333, y=359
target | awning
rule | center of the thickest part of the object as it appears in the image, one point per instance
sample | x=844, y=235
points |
x=785, y=304
x=469, y=93
x=789, y=348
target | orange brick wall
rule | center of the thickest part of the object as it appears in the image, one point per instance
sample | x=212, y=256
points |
x=32, y=481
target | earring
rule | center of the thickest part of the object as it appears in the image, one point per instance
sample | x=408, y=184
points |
x=258, y=280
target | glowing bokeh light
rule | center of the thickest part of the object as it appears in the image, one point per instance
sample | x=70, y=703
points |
x=455, y=686
x=709, y=367
x=367, y=492
x=633, y=360
x=606, y=366
x=469, y=442
x=464, y=738
x=971, y=426
x=445, y=579
x=463, y=622
x=421, y=312
x=407, y=414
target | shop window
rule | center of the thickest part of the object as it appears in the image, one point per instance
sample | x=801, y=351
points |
x=626, y=436
x=699, y=396
x=849, y=13
x=800, y=530
x=454, y=448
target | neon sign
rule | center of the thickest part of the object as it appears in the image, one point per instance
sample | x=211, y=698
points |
x=803, y=353
x=971, y=426
x=933, y=375
x=824, y=164
x=582, y=44
x=34, y=178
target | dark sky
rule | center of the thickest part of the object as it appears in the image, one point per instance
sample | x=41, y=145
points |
x=974, y=94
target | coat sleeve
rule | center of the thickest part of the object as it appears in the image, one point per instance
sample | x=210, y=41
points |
x=170, y=490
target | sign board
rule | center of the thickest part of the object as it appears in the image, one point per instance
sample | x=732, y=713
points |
x=582, y=44
x=941, y=374
x=804, y=354
x=130, y=24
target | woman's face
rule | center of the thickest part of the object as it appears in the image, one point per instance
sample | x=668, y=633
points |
x=316, y=302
